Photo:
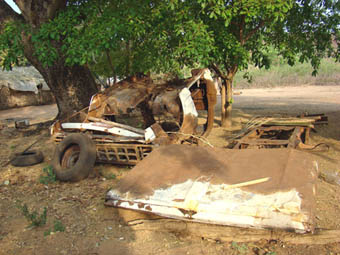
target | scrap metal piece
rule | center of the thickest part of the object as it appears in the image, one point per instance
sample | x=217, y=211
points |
x=320, y=118
x=98, y=126
x=204, y=96
x=279, y=133
x=21, y=123
x=123, y=154
x=198, y=184
x=173, y=100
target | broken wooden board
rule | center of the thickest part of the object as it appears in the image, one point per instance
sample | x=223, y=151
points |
x=193, y=184
x=274, y=137
x=233, y=234
x=301, y=122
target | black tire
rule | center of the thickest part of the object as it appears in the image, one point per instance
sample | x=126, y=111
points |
x=74, y=158
x=27, y=158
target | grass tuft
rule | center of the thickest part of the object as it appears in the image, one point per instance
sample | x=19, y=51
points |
x=49, y=176
x=34, y=218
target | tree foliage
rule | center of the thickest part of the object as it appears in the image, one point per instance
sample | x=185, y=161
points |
x=138, y=36
x=244, y=30
x=36, y=35
x=142, y=36
x=309, y=31
x=165, y=35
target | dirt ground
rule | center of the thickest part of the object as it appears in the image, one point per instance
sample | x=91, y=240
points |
x=92, y=228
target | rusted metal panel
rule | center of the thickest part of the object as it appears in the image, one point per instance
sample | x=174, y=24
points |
x=123, y=154
x=167, y=101
x=274, y=188
x=124, y=100
x=170, y=100
x=204, y=95
x=127, y=94
x=274, y=137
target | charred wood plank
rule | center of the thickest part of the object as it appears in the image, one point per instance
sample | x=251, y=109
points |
x=230, y=234
x=264, y=142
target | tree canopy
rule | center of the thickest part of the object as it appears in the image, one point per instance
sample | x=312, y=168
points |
x=243, y=31
x=164, y=36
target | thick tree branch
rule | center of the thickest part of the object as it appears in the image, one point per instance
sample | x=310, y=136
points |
x=218, y=71
x=241, y=27
x=109, y=59
x=7, y=13
x=252, y=32
x=37, y=12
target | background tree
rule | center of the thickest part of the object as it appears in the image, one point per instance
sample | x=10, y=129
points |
x=63, y=38
x=244, y=30
x=226, y=35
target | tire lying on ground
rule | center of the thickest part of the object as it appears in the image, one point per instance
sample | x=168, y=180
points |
x=74, y=158
x=27, y=158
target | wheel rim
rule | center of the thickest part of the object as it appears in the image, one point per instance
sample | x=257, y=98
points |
x=71, y=156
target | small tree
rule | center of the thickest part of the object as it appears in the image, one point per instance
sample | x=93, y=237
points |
x=243, y=30
x=226, y=35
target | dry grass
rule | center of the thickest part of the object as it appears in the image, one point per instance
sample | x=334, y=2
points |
x=282, y=74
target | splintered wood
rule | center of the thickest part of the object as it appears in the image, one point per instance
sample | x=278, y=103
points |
x=268, y=132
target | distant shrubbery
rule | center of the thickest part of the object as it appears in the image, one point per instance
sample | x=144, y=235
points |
x=282, y=74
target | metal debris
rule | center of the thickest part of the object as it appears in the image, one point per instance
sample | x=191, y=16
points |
x=246, y=188
x=281, y=133
x=169, y=113
x=22, y=123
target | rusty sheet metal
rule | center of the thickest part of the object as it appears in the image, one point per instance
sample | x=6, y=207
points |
x=127, y=94
x=124, y=100
x=194, y=183
x=167, y=101
x=277, y=137
x=122, y=154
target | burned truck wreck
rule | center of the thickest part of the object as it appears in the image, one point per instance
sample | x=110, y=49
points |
x=101, y=133
x=244, y=186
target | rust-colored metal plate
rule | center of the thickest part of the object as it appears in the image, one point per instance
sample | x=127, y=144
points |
x=198, y=184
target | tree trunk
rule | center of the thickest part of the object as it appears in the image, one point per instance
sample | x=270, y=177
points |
x=226, y=93
x=72, y=87
x=223, y=102
x=227, y=100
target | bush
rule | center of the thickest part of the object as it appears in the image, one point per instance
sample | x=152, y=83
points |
x=34, y=218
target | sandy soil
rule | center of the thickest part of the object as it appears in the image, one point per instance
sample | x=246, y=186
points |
x=91, y=228
x=289, y=100
x=35, y=114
